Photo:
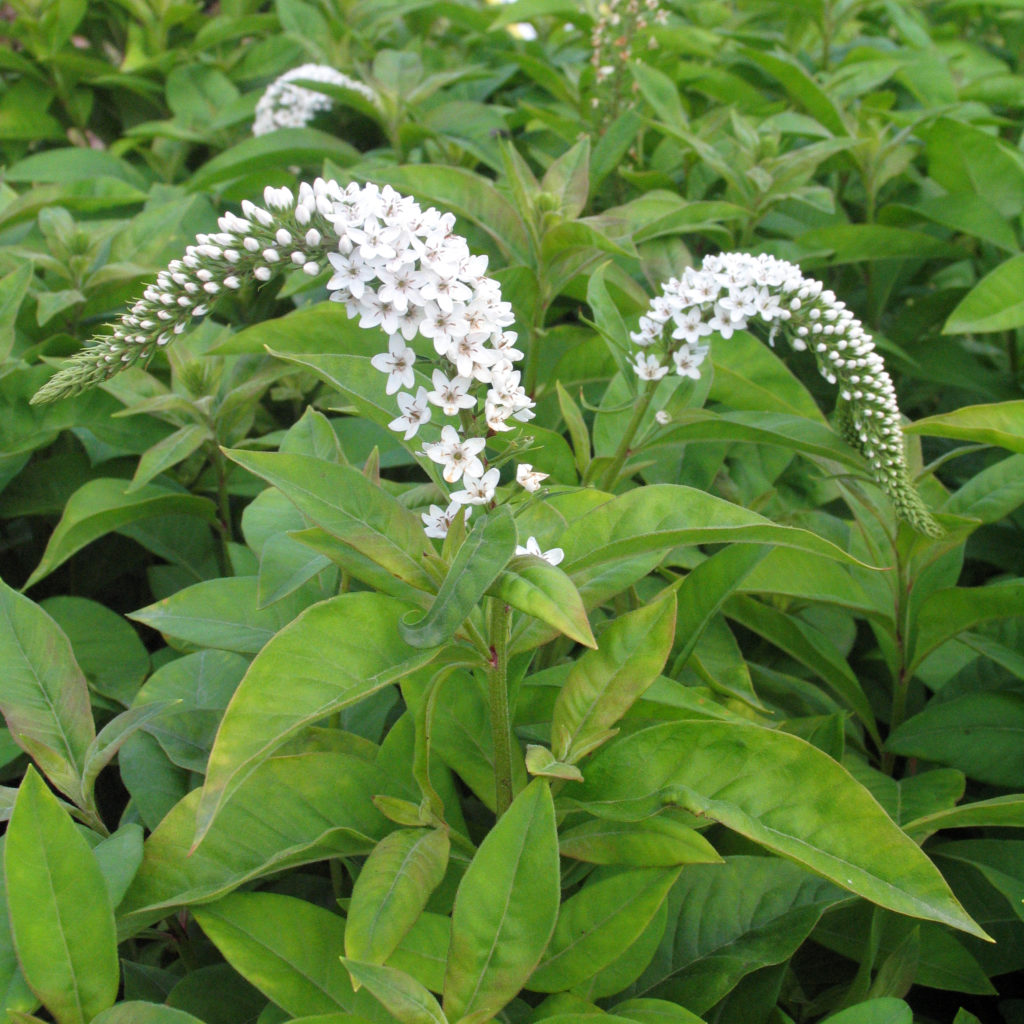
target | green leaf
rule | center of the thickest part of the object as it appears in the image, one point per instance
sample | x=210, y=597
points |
x=391, y=891
x=109, y=651
x=809, y=646
x=135, y=1012
x=540, y=589
x=323, y=327
x=993, y=304
x=61, y=917
x=335, y=654
x=540, y=761
x=999, y=810
x=705, y=589
x=291, y=810
x=780, y=792
x=101, y=506
x=657, y=842
x=44, y=697
x=946, y=613
x=111, y=737
x=342, y=501
x=13, y=289
x=998, y=423
x=484, y=553
x=603, y=684
x=885, y=1010
x=119, y=857
x=304, y=146
x=286, y=947
x=597, y=923
x=854, y=243
x=505, y=909
x=662, y=516
x=222, y=613
x=800, y=86
x=655, y=1011
x=728, y=920
x=14, y=991
x=982, y=734
x=167, y=453
x=401, y=995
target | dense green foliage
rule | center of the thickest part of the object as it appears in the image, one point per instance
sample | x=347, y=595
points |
x=751, y=750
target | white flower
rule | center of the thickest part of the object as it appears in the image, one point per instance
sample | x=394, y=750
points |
x=457, y=456
x=285, y=105
x=451, y=395
x=528, y=477
x=415, y=412
x=688, y=359
x=397, y=363
x=438, y=521
x=662, y=418
x=649, y=367
x=552, y=556
x=478, y=489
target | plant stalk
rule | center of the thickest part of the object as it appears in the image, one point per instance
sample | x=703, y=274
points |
x=611, y=475
x=501, y=724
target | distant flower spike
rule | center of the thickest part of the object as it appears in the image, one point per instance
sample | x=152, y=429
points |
x=732, y=289
x=396, y=267
x=286, y=105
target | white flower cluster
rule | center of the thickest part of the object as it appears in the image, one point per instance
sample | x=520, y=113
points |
x=731, y=290
x=622, y=23
x=396, y=267
x=286, y=105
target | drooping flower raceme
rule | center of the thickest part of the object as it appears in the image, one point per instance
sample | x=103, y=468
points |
x=732, y=290
x=396, y=267
x=287, y=105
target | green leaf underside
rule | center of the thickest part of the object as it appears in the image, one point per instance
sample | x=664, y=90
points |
x=780, y=792
x=333, y=655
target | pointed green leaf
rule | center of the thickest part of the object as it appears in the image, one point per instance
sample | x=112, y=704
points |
x=44, y=697
x=288, y=948
x=657, y=842
x=101, y=506
x=603, y=684
x=391, y=891
x=291, y=810
x=61, y=917
x=342, y=501
x=401, y=994
x=982, y=734
x=135, y=1012
x=727, y=920
x=333, y=655
x=998, y=423
x=780, y=792
x=168, y=452
x=662, y=516
x=13, y=288
x=505, y=909
x=595, y=924
x=538, y=588
x=993, y=304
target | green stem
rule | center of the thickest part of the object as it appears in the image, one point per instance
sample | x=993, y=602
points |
x=223, y=510
x=501, y=724
x=611, y=475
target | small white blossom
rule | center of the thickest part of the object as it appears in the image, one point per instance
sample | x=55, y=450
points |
x=649, y=367
x=478, y=490
x=552, y=556
x=415, y=412
x=528, y=477
x=397, y=363
x=438, y=521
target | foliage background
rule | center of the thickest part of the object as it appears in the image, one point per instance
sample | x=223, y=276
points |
x=878, y=145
